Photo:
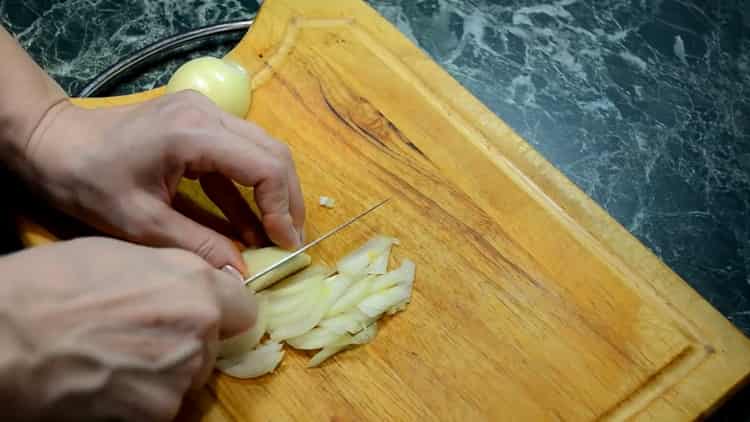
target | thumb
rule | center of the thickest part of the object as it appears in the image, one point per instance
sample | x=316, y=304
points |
x=172, y=229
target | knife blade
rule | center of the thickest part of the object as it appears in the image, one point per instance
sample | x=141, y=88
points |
x=314, y=242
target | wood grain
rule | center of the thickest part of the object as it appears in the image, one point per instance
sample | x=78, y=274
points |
x=531, y=303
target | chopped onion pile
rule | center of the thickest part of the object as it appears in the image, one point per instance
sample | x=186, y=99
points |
x=317, y=308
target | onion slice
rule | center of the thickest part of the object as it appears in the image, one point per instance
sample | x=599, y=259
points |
x=254, y=363
x=360, y=260
x=284, y=305
x=300, y=281
x=381, y=302
x=326, y=296
x=316, y=338
x=311, y=298
x=331, y=290
x=380, y=264
x=324, y=354
x=355, y=294
x=397, y=307
x=363, y=337
x=351, y=321
x=258, y=260
x=401, y=275
x=326, y=202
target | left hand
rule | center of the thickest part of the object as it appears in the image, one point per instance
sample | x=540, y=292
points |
x=118, y=170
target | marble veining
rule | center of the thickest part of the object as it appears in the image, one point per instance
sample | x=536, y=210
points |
x=644, y=104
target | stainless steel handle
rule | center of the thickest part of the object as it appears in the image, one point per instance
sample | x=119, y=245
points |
x=157, y=50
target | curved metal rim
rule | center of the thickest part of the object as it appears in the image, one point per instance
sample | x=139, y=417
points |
x=159, y=49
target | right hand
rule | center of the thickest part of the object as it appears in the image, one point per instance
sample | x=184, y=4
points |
x=99, y=329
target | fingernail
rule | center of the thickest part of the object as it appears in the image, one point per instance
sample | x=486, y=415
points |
x=233, y=272
x=301, y=232
x=294, y=237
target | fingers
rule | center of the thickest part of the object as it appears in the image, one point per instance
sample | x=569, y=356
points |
x=160, y=225
x=229, y=199
x=208, y=360
x=281, y=152
x=237, y=313
x=251, y=165
x=297, y=205
x=238, y=305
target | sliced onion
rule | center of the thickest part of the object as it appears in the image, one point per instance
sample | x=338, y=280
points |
x=310, y=310
x=258, y=260
x=300, y=281
x=380, y=264
x=249, y=339
x=324, y=354
x=398, y=307
x=380, y=302
x=327, y=202
x=364, y=336
x=401, y=275
x=352, y=297
x=312, y=297
x=285, y=304
x=254, y=363
x=313, y=317
x=314, y=339
x=332, y=289
x=339, y=284
x=351, y=321
x=359, y=261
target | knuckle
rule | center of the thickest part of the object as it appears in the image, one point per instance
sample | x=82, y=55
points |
x=283, y=151
x=187, y=112
x=206, y=248
x=181, y=258
x=190, y=97
x=274, y=170
x=143, y=225
x=207, y=316
x=167, y=409
x=206, y=310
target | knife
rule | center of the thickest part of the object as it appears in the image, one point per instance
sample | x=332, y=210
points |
x=314, y=242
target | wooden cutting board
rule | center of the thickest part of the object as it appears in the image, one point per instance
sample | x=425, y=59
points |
x=531, y=303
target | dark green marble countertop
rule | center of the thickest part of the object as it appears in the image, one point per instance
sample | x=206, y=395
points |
x=645, y=104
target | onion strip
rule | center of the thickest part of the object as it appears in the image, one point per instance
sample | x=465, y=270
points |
x=254, y=363
x=380, y=302
x=352, y=297
x=360, y=260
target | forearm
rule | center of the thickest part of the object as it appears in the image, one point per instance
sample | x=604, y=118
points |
x=27, y=94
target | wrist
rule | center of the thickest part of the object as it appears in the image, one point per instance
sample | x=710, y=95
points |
x=28, y=95
x=19, y=128
x=21, y=117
